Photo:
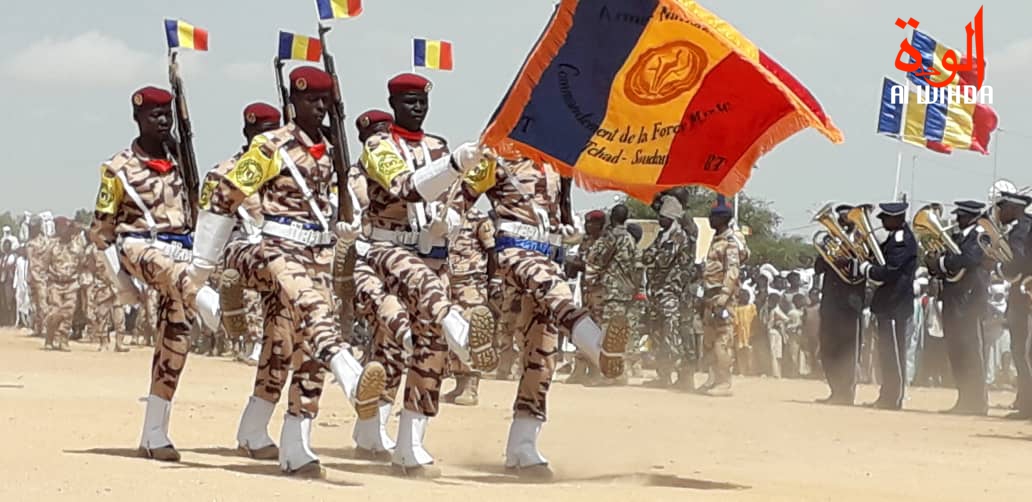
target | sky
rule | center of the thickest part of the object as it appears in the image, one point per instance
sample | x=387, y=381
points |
x=69, y=68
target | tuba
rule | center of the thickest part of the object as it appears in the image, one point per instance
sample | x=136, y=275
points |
x=835, y=244
x=992, y=239
x=932, y=235
x=860, y=217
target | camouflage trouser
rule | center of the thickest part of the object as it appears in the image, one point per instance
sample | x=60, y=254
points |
x=422, y=287
x=689, y=325
x=547, y=306
x=39, y=306
x=663, y=327
x=277, y=349
x=255, y=315
x=61, y=302
x=177, y=294
x=105, y=316
x=147, y=322
x=387, y=319
x=300, y=279
x=718, y=343
x=508, y=332
x=467, y=291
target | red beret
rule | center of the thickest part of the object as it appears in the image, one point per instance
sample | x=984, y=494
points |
x=261, y=112
x=372, y=117
x=151, y=96
x=408, y=82
x=310, y=78
x=595, y=215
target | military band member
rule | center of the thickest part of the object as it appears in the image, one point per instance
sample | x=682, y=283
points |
x=142, y=223
x=291, y=170
x=965, y=294
x=893, y=302
x=1011, y=207
x=841, y=325
x=721, y=284
x=408, y=169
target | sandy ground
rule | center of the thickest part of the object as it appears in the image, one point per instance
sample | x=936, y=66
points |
x=71, y=423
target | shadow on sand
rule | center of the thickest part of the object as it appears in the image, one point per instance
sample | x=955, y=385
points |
x=1019, y=437
x=494, y=474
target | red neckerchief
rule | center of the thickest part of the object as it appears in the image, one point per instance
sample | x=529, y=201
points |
x=414, y=136
x=317, y=151
x=160, y=166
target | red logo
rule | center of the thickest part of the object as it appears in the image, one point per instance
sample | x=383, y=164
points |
x=966, y=66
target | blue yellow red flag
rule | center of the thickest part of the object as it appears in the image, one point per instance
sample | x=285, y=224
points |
x=338, y=9
x=644, y=95
x=432, y=54
x=294, y=46
x=183, y=35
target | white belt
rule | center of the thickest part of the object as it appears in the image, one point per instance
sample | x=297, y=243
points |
x=172, y=250
x=396, y=237
x=530, y=232
x=297, y=234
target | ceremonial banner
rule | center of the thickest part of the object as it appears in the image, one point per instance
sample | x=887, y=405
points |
x=903, y=117
x=183, y=35
x=338, y=9
x=293, y=46
x=432, y=54
x=644, y=95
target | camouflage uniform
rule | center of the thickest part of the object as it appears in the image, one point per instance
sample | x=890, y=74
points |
x=508, y=335
x=720, y=280
x=62, y=289
x=106, y=315
x=38, y=253
x=87, y=279
x=666, y=261
x=160, y=264
x=690, y=315
x=614, y=263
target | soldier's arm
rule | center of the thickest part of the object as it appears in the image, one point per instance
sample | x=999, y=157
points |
x=222, y=194
x=731, y=272
x=1019, y=241
x=384, y=165
x=970, y=257
x=105, y=214
x=896, y=259
x=594, y=266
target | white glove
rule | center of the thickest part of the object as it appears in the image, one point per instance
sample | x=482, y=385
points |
x=467, y=156
x=347, y=231
x=567, y=230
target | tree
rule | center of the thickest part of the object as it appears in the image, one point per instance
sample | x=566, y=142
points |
x=84, y=217
x=766, y=243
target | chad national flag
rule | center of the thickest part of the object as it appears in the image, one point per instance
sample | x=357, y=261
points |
x=337, y=9
x=183, y=35
x=300, y=47
x=644, y=95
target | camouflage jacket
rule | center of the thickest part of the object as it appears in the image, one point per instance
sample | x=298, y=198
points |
x=38, y=251
x=614, y=263
x=65, y=262
x=668, y=261
x=252, y=205
x=116, y=212
x=720, y=276
x=468, y=247
x=388, y=164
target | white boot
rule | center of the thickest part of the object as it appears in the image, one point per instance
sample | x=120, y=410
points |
x=587, y=336
x=362, y=386
x=208, y=308
x=253, y=433
x=456, y=332
x=154, y=442
x=409, y=452
x=521, y=451
x=295, y=453
x=370, y=435
x=256, y=354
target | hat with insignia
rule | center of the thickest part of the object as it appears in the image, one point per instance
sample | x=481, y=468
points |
x=256, y=113
x=1014, y=198
x=721, y=207
x=892, y=209
x=151, y=96
x=408, y=82
x=972, y=207
x=595, y=215
x=371, y=117
x=310, y=79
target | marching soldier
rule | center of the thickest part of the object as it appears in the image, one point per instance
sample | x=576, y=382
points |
x=38, y=250
x=407, y=169
x=142, y=223
x=1011, y=208
x=471, y=258
x=721, y=283
x=62, y=284
x=107, y=316
x=965, y=294
x=592, y=295
x=292, y=172
x=526, y=199
x=665, y=262
x=841, y=310
x=893, y=302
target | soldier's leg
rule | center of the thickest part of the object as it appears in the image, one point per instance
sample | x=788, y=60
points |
x=469, y=293
x=508, y=351
x=891, y=362
x=59, y=317
x=530, y=409
x=118, y=326
x=1018, y=325
x=273, y=369
x=718, y=340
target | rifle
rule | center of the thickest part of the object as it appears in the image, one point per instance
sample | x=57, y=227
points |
x=283, y=92
x=338, y=136
x=183, y=138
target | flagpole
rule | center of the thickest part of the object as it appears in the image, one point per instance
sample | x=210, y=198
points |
x=899, y=167
x=996, y=154
x=913, y=182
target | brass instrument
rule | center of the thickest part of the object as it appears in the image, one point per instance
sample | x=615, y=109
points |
x=860, y=217
x=835, y=244
x=932, y=235
x=992, y=239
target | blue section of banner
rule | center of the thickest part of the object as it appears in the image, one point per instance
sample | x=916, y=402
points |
x=172, y=33
x=890, y=116
x=419, y=52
